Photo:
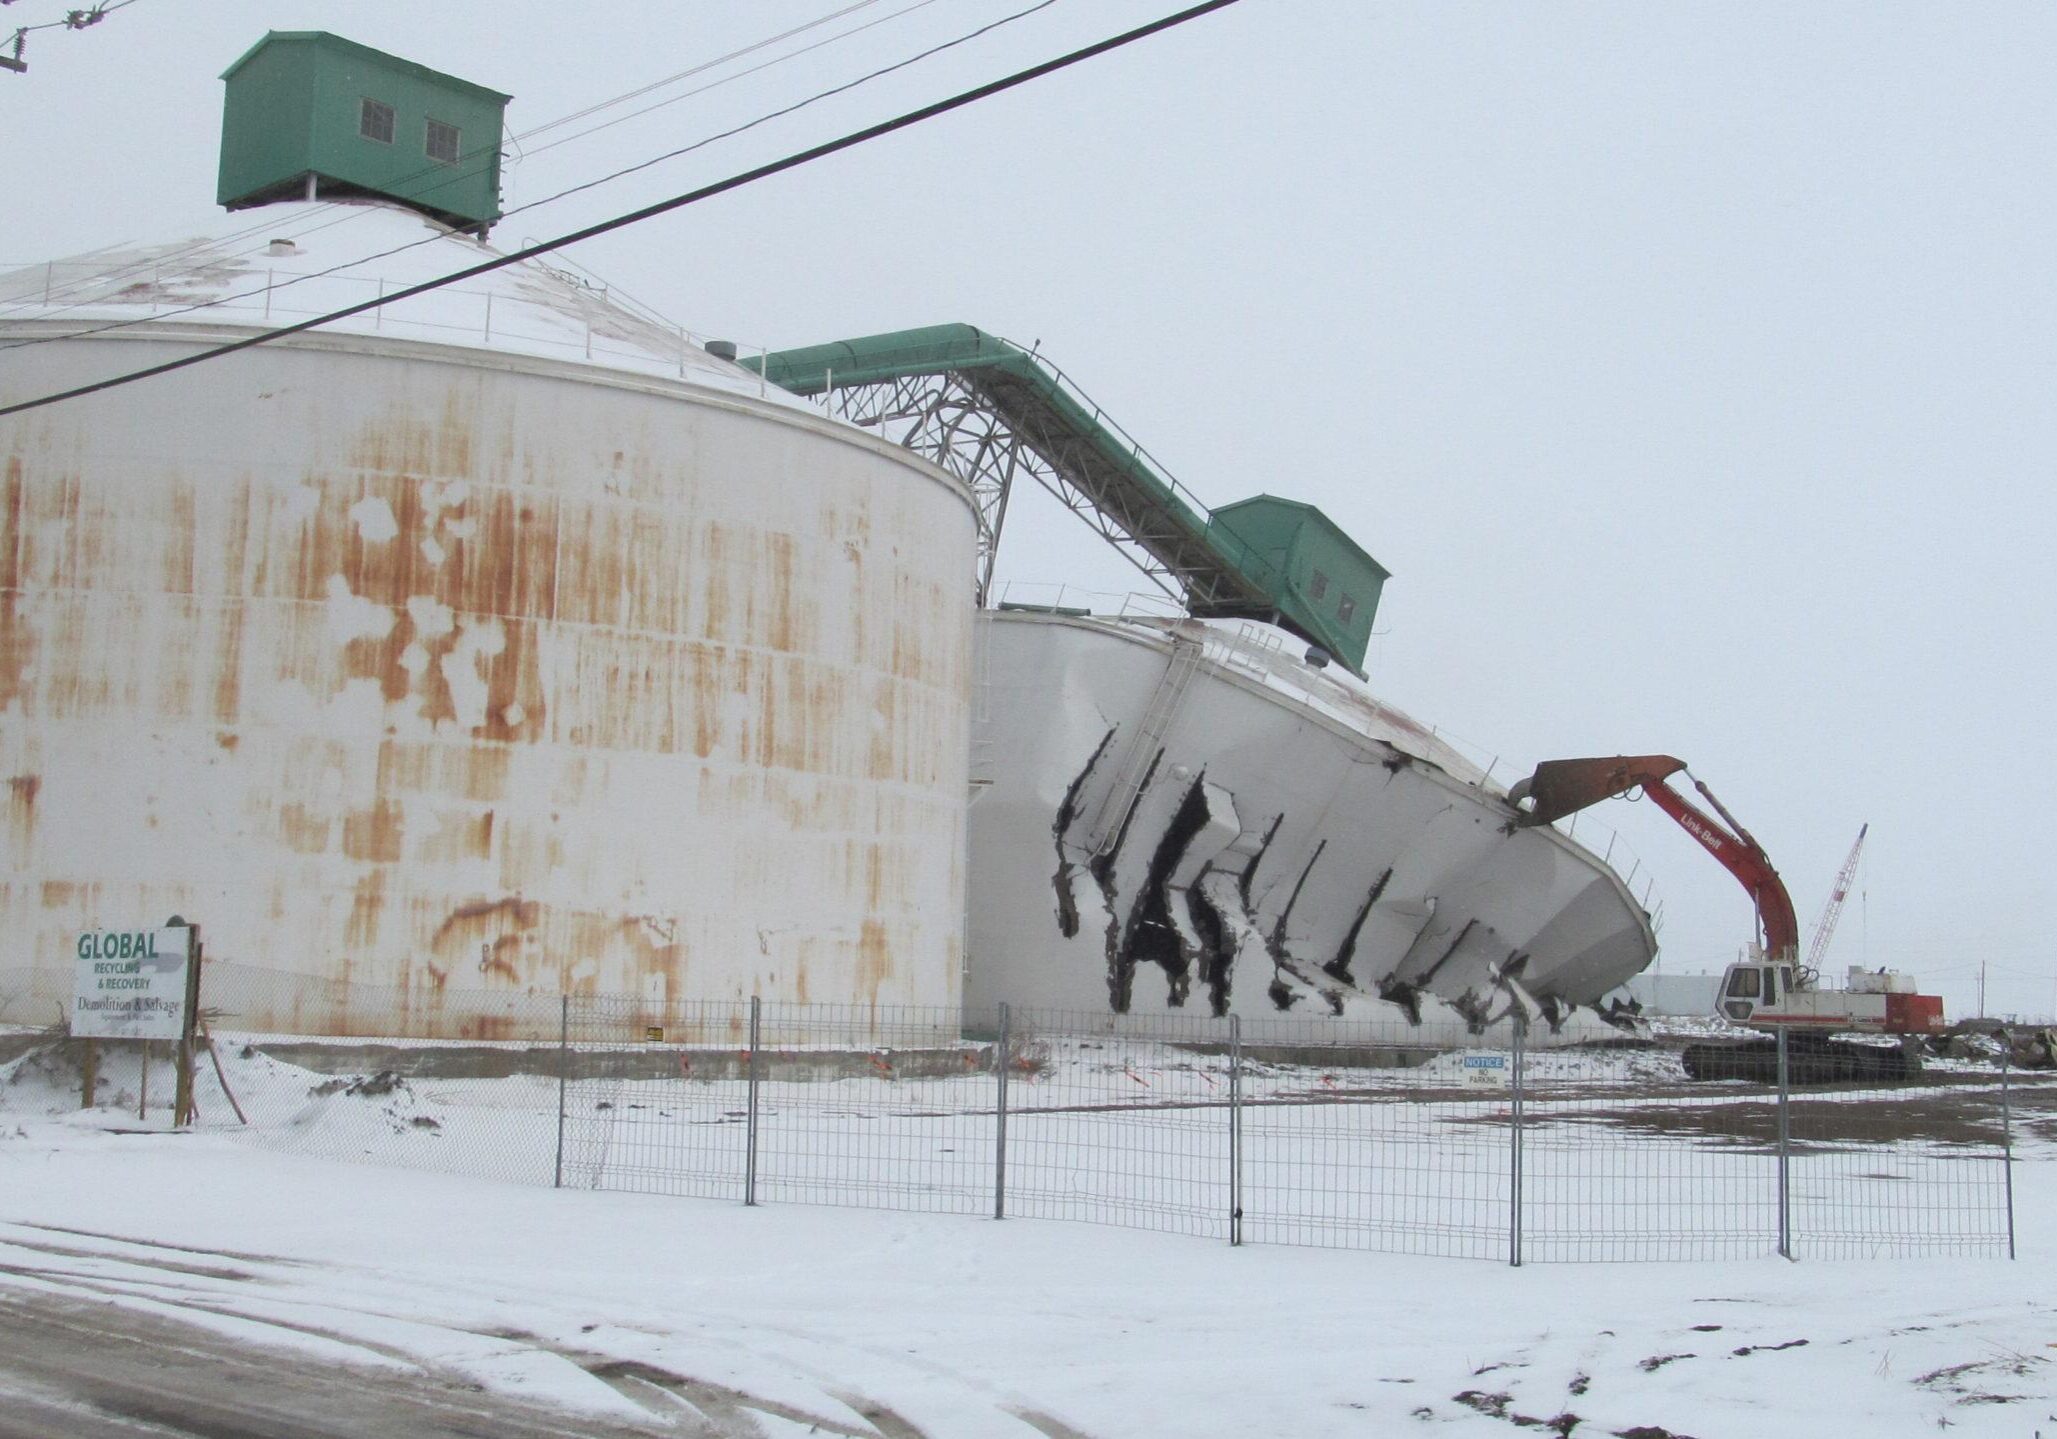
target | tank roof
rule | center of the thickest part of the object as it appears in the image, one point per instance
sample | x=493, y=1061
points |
x=256, y=269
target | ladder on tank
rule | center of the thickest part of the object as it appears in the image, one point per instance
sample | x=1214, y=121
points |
x=1144, y=744
x=982, y=768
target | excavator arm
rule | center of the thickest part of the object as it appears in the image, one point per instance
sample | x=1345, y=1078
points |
x=1564, y=786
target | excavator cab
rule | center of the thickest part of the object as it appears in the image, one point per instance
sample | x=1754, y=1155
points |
x=1753, y=984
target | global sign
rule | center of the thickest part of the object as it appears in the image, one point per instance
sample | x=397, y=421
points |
x=131, y=983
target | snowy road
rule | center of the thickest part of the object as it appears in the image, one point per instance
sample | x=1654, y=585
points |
x=93, y=1369
x=101, y=1334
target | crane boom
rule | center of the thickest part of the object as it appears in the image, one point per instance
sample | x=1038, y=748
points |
x=1825, y=927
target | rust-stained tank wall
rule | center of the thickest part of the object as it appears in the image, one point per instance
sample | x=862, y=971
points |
x=444, y=669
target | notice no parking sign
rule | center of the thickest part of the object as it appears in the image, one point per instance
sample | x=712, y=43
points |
x=1486, y=1071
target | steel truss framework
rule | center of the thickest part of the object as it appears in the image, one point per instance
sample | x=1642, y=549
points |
x=986, y=429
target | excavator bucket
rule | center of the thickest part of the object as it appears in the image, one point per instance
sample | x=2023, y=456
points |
x=1564, y=786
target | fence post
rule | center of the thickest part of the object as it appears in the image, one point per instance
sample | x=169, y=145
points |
x=185, y=1104
x=1235, y=1129
x=750, y=1121
x=1517, y=1079
x=1785, y=1146
x=2007, y=1136
x=1000, y=1066
x=563, y=1068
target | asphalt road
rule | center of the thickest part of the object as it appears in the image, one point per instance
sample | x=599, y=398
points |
x=76, y=1368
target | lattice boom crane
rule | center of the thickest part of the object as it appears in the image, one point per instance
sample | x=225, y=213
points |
x=1825, y=927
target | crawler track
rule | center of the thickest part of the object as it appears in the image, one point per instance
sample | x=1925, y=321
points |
x=1810, y=1059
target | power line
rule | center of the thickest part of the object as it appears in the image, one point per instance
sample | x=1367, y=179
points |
x=159, y=315
x=456, y=173
x=73, y=20
x=662, y=207
x=797, y=105
x=704, y=66
x=459, y=172
x=726, y=79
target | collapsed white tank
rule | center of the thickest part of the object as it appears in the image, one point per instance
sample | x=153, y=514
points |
x=1179, y=817
x=500, y=638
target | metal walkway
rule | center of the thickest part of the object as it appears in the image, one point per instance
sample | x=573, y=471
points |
x=986, y=410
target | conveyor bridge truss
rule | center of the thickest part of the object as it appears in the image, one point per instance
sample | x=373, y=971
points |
x=988, y=411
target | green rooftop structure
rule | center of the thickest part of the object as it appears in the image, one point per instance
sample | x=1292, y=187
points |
x=1330, y=583
x=986, y=410
x=309, y=115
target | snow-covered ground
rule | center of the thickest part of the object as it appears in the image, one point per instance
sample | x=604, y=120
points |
x=804, y=1319
x=791, y=1318
x=1621, y=1158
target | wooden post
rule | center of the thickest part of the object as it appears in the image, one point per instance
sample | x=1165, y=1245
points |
x=89, y=1073
x=182, y=1101
x=143, y=1084
x=222, y=1075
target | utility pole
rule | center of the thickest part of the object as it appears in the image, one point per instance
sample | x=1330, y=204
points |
x=73, y=20
x=1981, y=989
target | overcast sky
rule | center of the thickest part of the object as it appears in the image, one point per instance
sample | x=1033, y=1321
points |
x=1688, y=365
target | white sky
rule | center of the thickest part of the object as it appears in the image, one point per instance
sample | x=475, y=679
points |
x=1687, y=364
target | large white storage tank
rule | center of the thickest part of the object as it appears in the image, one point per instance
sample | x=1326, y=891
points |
x=501, y=638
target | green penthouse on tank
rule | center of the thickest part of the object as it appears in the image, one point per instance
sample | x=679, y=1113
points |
x=1323, y=581
x=309, y=115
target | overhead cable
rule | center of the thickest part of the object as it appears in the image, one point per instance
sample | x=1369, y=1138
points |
x=647, y=212
x=300, y=233
x=73, y=20
x=730, y=133
x=754, y=69
x=459, y=171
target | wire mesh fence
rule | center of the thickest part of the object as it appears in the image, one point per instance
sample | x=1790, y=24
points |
x=1119, y=1121
x=1878, y=1169
x=1504, y=1145
x=1624, y=1158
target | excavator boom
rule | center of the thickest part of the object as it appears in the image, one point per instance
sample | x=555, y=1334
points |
x=1560, y=787
x=1770, y=991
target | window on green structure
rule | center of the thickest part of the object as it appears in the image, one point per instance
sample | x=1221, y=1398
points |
x=442, y=142
x=1318, y=586
x=1346, y=609
x=375, y=121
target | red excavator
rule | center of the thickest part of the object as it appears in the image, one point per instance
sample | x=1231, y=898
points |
x=1771, y=990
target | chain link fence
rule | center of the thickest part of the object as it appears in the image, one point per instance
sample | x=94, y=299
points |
x=1509, y=1146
